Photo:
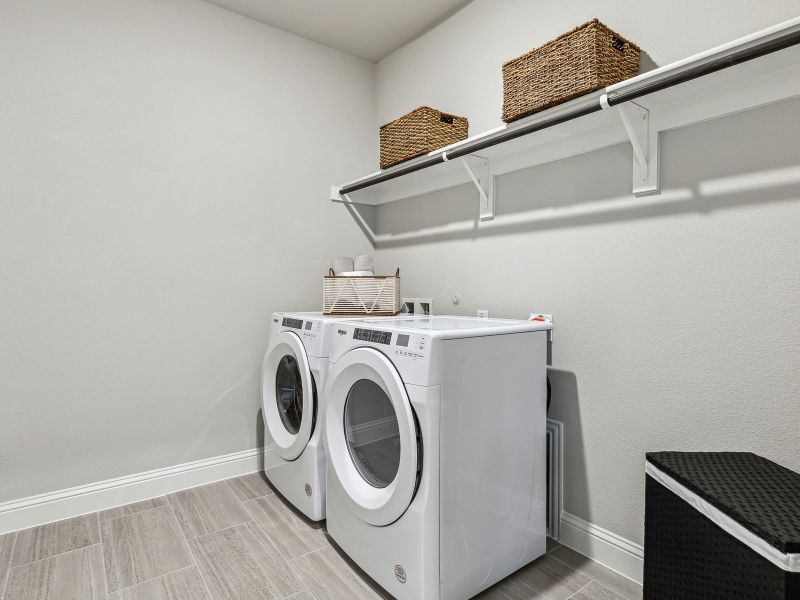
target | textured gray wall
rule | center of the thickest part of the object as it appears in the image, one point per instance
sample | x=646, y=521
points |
x=164, y=170
x=676, y=315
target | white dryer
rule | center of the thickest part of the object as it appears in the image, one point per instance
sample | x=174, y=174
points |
x=292, y=377
x=435, y=445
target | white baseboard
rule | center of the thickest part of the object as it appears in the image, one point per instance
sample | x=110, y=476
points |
x=80, y=500
x=601, y=545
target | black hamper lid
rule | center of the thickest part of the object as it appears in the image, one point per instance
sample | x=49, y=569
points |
x=762, y=496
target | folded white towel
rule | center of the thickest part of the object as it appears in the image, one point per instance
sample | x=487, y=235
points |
x=342, y=265
x=364, y=263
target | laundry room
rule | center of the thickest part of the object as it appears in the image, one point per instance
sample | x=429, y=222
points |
x=423, y=300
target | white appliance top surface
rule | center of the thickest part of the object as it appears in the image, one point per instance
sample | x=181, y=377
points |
x=447, y=326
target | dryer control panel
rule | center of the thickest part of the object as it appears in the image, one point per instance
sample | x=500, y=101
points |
x=401, y=344
x=412, y=346
x=372, y=335
x=415, y=353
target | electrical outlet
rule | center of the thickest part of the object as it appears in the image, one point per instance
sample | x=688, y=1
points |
x=483, y=314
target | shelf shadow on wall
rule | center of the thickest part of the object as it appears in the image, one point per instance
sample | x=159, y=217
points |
x=742, y=159
x=565, y=407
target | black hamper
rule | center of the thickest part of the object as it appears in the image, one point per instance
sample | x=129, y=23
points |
x=720, y=525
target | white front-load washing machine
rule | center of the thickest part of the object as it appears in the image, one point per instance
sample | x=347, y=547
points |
x=292, y=378
x=435, y=445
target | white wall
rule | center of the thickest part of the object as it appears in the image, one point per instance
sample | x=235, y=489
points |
x=676, y=320
x=164, y=174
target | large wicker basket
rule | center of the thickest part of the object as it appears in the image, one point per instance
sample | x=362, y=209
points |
x=421, y=131
x=588, y=58
x=377, y=295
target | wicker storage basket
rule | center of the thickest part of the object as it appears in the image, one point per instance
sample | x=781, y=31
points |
x=588, y=58
x=720, y=525
x=377, y=295
x=421, y=131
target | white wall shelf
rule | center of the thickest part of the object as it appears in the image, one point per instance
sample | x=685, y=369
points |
x=753, y=71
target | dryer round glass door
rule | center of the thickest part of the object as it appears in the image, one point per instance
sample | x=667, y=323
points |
x=288, y=395
x=372, y=439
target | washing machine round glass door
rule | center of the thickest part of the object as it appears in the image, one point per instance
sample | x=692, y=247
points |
x=288, y=395
x=372, y=436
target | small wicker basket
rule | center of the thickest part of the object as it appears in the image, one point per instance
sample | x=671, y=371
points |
x=421, y=131
x=377, y=295
x=588, y=58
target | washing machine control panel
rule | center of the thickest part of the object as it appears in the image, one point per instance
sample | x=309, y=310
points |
x=292, y=323
x=305, y=328
x=310, y=330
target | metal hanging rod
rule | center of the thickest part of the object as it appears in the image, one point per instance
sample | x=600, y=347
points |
x=684, y=74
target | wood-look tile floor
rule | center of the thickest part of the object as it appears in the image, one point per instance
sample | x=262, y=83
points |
x=236, y=540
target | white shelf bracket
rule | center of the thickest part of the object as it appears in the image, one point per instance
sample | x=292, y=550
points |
x=484, y=181
x=337, y=196
x=644, y=142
